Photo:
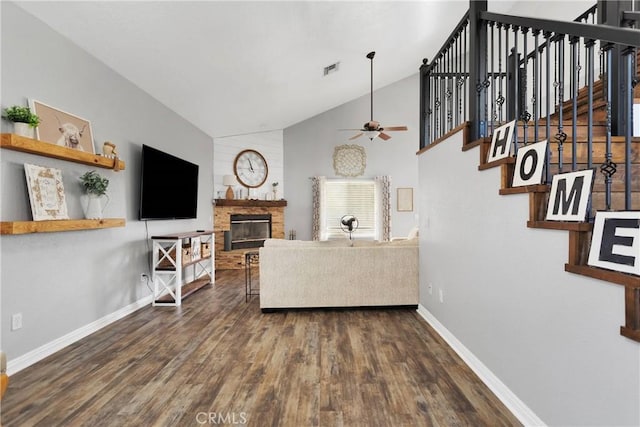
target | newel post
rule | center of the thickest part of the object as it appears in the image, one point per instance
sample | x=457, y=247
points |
x=477, y=69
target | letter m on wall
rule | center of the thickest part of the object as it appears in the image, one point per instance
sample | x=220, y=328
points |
x=569, y=198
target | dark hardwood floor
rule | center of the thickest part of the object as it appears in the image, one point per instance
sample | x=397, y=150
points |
x=218, y=360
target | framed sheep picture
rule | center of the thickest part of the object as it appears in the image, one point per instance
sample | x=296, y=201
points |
x=62, y=128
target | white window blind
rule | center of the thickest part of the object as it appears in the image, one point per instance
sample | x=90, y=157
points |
x=349, y=197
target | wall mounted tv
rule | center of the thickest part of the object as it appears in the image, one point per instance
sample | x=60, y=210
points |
x=168, y=186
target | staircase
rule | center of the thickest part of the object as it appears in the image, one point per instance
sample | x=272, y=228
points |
x=579, y=234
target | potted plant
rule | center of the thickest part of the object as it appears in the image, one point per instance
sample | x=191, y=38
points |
x=95, y=187
x=24, y=121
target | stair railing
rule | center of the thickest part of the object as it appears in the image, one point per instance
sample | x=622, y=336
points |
x=518, y=69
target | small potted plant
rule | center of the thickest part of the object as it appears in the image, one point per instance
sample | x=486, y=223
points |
x=24, y=121
x=95, y=186
x=274, y=186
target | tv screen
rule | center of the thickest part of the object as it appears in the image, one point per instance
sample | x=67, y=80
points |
x=168, y=186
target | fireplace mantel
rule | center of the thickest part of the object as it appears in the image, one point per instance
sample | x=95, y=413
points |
x=251, y=203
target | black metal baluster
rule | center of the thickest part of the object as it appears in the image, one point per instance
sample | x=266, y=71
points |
x=500, y=99
x=437, y=101
x=560, y=136
x=449, y=92
x=536, y=77
x=516, y=77
x=629, y=83
x=590, y=67
x=547, y=37
x=575, y=77
x=465, y=90
x=608, y=167
x=525, y=115
x=494, y=115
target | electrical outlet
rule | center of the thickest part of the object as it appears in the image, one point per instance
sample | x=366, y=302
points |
x=16, y=321
x=441, y=293
x=430, y=288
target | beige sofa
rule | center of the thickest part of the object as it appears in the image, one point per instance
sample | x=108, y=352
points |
x=303, y=274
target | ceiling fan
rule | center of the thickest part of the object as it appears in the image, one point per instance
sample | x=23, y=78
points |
x=372, y=129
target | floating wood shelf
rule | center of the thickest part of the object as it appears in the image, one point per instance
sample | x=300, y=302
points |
x=27, y=145
x=26, y=227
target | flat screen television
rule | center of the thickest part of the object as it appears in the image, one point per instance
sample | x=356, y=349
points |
x=168, y=186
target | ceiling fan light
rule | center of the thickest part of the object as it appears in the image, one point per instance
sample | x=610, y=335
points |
x=371, y=134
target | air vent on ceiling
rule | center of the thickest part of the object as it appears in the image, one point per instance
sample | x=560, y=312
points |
x=331, y=68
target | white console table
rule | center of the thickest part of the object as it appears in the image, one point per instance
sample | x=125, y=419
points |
x=171, y=262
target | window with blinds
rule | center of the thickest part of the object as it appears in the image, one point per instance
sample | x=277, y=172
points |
x=349, y=197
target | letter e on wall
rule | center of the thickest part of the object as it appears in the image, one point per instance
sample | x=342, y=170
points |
x=615, y=243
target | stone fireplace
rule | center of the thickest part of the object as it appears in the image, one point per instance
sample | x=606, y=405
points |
x=244, y=236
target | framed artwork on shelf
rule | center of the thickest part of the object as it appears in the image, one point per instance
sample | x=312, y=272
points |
x=62, y=128
x=46, y=193
x=405, y=199
x=195, y=248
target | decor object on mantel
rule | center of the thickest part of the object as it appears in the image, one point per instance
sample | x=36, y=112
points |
x=24, y=120
x=46, y=193
x=372, y=129
x=95, y=187
x=274, y=185
x=349, y=160
x=229, y=181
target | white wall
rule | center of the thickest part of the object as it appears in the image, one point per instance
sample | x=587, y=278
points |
x=269, y=144
x=552, y=337
x=309, y=145
x=64, y=281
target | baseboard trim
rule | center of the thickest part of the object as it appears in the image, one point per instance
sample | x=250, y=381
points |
x=28, y=359
x=519, y=409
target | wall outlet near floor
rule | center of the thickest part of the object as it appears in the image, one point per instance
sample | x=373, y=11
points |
x=441, y=294
x=16, y=321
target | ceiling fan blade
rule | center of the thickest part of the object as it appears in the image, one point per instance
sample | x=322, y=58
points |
x=395, y=128
x=351, y=130
x=356, y=136
x=384, y=136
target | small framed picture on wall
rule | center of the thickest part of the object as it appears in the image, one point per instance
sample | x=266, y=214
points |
x=405, y=199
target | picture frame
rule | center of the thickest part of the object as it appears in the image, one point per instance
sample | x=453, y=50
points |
x=405, y=199
x=46, y=193
x=196, y=248
x=62, y=128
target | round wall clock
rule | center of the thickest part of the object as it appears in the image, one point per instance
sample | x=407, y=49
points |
x=251, y=168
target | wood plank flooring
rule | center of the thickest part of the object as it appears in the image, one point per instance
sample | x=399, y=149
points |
x=219, y=361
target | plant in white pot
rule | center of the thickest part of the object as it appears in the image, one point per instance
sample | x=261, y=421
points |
x=95, y=187
x=24, y=120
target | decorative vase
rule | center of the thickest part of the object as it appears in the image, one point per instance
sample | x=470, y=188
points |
x=275, y=194
x=23, y=129
x=95, y=205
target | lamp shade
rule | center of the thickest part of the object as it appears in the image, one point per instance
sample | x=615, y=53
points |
x=371, y=134
x=229, y=180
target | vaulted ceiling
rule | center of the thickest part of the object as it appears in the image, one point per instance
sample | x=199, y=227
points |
x=239, y=67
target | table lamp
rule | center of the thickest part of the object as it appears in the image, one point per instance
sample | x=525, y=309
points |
x=229, y=180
